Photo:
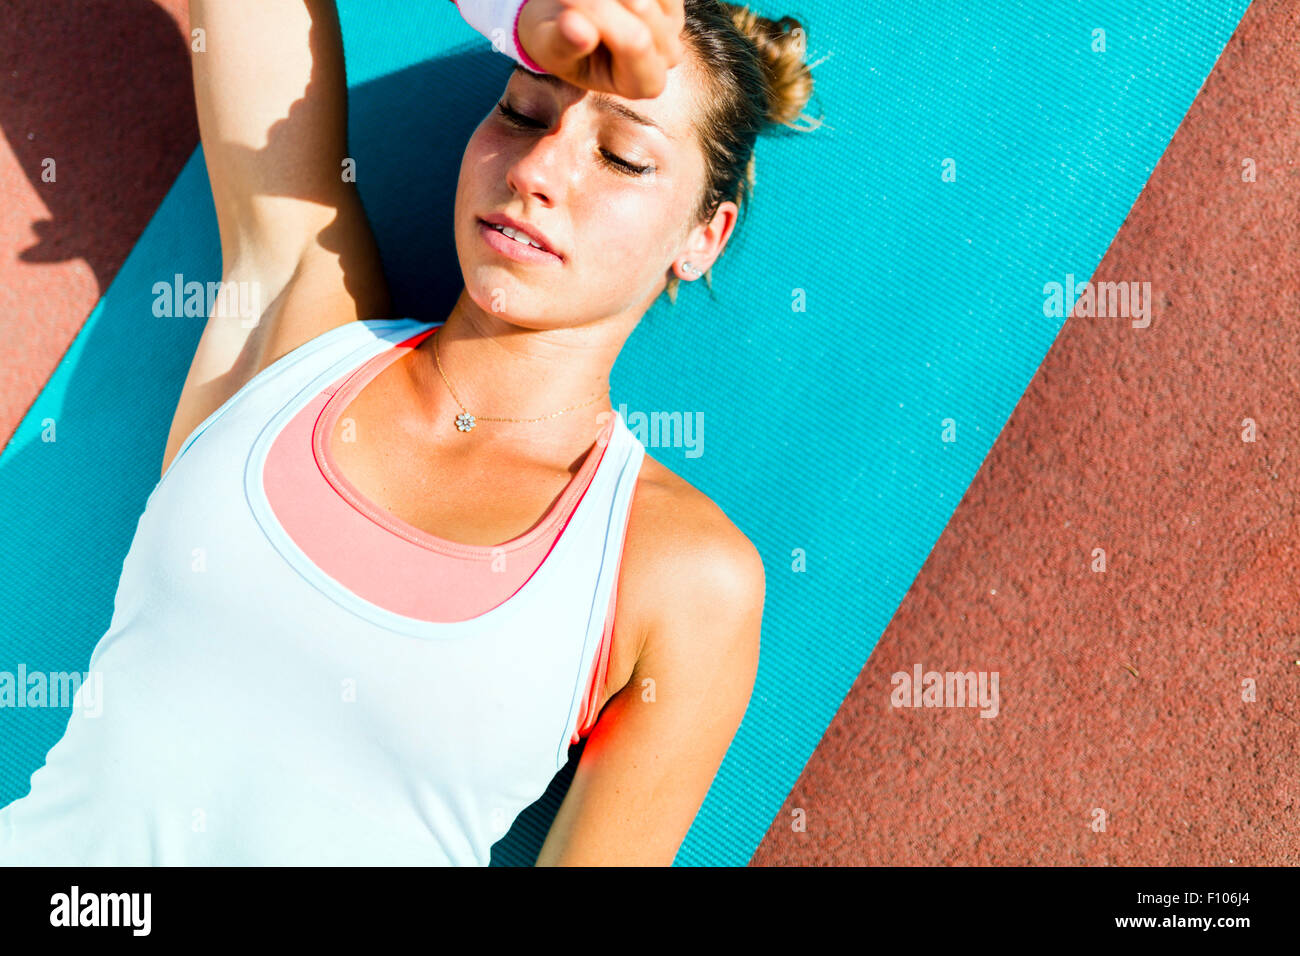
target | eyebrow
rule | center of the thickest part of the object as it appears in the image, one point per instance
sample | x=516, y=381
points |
x=600, y=100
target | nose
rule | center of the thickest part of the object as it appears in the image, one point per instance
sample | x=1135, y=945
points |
x=538, y=172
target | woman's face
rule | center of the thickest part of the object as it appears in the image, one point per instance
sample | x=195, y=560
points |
x=608, y=184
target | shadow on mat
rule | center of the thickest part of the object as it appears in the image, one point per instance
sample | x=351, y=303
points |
x=112, y=163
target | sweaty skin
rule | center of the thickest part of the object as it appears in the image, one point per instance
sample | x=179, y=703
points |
x=611, y=194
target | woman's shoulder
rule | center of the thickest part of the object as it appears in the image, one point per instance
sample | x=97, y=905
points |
x=685, y=562
x=676, y=527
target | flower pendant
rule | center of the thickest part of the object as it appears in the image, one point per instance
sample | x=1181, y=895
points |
x=464, y=421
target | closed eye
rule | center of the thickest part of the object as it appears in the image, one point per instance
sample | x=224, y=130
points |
x=520, y=121
x=515, y=118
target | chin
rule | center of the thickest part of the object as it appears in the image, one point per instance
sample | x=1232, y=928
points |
x=502, y=296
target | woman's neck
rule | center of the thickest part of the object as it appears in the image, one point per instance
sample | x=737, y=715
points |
x=500, y=370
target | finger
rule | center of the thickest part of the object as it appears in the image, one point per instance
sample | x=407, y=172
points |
x=665, y=19
x=637, y=68
x=665, y=28
x=575, y=34
x=670, y=33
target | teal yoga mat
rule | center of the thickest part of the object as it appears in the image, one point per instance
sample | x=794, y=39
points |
x=867, y=303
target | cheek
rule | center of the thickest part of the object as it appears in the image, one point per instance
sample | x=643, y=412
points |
x=634, y=228
x=475, y=166
x=478, y=186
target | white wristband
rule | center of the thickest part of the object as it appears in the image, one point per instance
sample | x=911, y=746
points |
x=498, y=21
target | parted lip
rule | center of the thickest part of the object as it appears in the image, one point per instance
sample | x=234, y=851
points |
x=531, y=231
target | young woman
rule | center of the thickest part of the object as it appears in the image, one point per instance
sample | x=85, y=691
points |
x=394, y=569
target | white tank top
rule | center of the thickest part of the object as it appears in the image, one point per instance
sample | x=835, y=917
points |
x=256, y=712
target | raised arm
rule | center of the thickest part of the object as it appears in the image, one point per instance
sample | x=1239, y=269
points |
x=271, y=95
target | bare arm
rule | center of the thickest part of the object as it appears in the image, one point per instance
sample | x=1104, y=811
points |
x=649, y=762
x=271, y=93
x=271, y=96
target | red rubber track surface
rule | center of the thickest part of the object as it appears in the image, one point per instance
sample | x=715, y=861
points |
x=1120, y=691
x=103, y=88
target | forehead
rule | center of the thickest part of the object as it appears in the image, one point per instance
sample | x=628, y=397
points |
x=672, y=112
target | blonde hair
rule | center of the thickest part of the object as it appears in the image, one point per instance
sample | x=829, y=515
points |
x=758, y=79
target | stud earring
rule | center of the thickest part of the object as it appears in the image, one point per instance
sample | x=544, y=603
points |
x=690, y=270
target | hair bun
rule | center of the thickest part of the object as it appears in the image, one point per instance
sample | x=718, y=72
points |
x=781, y=45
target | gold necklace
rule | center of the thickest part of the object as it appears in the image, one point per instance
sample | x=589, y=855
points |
x=465, y=421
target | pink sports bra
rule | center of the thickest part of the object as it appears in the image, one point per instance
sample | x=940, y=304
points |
x=396, y=565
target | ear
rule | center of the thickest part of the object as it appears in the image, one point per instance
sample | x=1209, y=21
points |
x=706, y=241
